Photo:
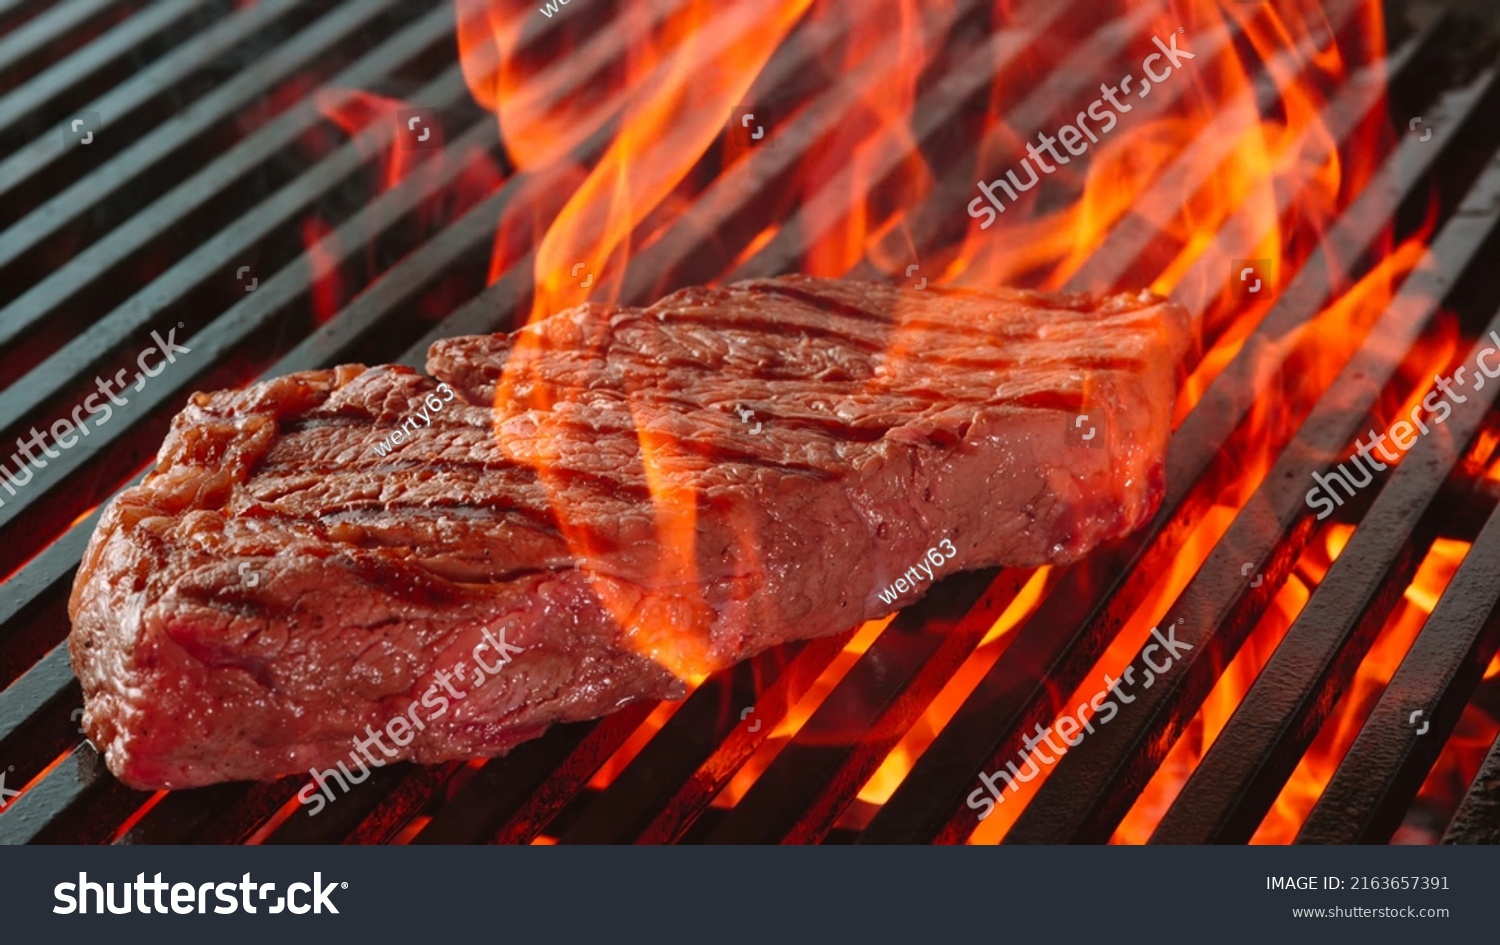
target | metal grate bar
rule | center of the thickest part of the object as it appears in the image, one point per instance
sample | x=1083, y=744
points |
x=240, y=821
x=179, y=815
x=525, y=818
x=482, y=807
x=1010, y=699
x=1478, y=817
x=540, y=787
x=29, y=161
x=724, y=207
x=1359, y=105
x=965, y=87
x=815, y=777
x=1093, y=785
x=216, y=351
x=21, y=102
x=1133, y=236
x=59, y=568
x=402, y=803
x=1240, y=777
x=47, y=28
x=342, y=815
x=28, y=696
x=934, y=223
x=215, y=256
x=49, y=811
x=693, y=795
x=564, y=781
x=1382, y=771
x=83, y=356
x=87, y=199
x=686, y=740
x=493, y=308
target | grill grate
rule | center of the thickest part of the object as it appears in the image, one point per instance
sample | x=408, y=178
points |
x=209, y=129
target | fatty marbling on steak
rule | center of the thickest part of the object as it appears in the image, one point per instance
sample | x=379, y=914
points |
x=740, y=467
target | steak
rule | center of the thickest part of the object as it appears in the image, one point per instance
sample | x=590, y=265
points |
x=595, y=509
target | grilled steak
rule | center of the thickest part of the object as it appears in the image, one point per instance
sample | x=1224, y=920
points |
x=567, y=518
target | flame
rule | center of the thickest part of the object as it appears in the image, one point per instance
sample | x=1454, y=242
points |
x=1312, y=356
x=1207, y=169
x=669, y=124
x=797, y=714
x=1449, y=778
x=621, y=758
x=883, y=783
x=533, y=89
x=1120, y=653
x=897, y=54
x=354, y=111
x=1233, y=683
x=674, y=112
x=1329, y=340
x=1200, y=123
x=1379, y=665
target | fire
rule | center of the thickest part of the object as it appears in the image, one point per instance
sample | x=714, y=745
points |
x=883, y=783
x=355, y=111
x=1127, y=644
x=668, y=124
x=397, y=138
x=1322, y=757
x=682, y=81
x=894, y=55
x=1203, y=171
x=1232, y=684
x=797, y=714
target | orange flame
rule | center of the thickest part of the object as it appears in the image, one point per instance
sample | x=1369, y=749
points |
x=669, y=124
x=354, y=111
x=1322, y=757
x=1204, y=170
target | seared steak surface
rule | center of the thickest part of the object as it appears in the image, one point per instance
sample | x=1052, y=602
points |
x=629, y=496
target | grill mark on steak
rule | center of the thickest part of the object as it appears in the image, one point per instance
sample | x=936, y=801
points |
x=814, y=300
x=1099, y=363
x=413, y=584
x=536, y=518
x=792, y=326
x=892, y=418
x=863, y=430
x=367, y=462
x=727, y=450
